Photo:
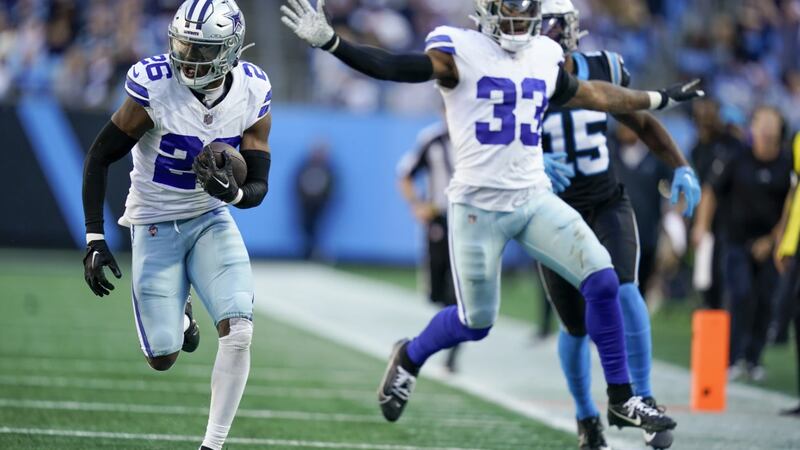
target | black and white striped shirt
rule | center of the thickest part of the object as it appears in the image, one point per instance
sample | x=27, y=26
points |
x=433, y=155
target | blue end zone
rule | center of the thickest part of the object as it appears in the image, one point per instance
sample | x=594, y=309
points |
x=59, y=154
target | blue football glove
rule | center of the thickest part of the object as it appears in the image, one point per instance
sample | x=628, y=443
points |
x=686, y=181
x=558, y=171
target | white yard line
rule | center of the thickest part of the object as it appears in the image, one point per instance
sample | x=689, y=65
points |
x=52, y=405
x=36, y=364
x=238, y=441
x=176, y=386
x=506, y=368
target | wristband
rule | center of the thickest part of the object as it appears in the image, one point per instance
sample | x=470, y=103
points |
x=658, y=100
x=94, y=237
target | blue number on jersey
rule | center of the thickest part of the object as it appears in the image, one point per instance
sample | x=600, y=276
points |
x=529, y=133
x=586, y=145
x=175, y=170
x=158, y=68
x=253, y=71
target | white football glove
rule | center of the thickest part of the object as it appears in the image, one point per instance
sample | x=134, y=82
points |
x=308, y=24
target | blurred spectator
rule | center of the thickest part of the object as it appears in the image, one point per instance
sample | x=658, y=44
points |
x=314, y=184
x=433, y=160
x=641, y=172
x=714, y=143
x=750, y=191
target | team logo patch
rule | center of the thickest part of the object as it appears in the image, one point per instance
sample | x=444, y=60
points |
x=208, y=119
x=153, y=230
x=472, y=218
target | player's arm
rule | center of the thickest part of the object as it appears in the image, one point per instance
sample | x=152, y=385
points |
x=220, y=183
x=115, y=141
x=311, y=26
x=658, y=140
x=603, y=96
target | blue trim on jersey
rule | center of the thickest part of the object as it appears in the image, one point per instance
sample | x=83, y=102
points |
x=616, y=75
x=269, y=96
x=263, y=111
x=140, y=101
x=191, y=10
x=60, y=156
x=440, y=38
x=448, y=50
x=200, y=20
x=139, y=322
x=583, y=66
x=137, y=88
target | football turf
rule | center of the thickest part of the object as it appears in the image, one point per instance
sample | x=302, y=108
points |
x=72, y=377
x=671, y=325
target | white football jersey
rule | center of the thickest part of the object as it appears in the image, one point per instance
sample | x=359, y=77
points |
x=495, y=113
x=163, y=185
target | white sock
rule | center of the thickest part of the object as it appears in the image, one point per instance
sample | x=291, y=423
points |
x=228, y=380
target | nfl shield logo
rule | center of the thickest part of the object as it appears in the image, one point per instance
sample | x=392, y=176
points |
x=208, y=119
x=153, y=230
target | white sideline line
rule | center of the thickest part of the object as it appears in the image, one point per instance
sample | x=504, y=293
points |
x=192, y=387
x=233, y=440
x=249, y=413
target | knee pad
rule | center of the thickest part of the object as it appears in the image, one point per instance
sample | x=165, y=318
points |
x=602, y=285
x=481, y=319
x=240, y=336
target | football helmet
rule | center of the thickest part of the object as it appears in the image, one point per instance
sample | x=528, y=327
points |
x=206, y=40
x=512, y=23
x=560, y=22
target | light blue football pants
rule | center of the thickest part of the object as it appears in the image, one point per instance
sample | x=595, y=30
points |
x=206, y=252
x=548, y=229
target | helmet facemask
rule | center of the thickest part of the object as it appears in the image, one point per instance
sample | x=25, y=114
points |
x=564, y=29
x=512, y=23
x=199, y=63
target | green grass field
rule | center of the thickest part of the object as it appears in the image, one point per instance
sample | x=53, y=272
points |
x=72, y=377
x=671, y=325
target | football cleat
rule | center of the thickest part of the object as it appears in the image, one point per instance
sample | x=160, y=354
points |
x=638, y=414
x=191, y=337
x=397, y=384
x=590, y=434
x=658, y=440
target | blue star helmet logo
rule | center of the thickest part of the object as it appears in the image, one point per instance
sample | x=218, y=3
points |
x=236, y=18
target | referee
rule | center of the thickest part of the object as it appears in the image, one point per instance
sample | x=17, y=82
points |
x=433, y=159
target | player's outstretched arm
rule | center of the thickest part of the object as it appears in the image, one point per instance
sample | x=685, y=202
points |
x=603, y=96
x=311, y=25
x=219, y=182
x=659, y=141
x=115, y=141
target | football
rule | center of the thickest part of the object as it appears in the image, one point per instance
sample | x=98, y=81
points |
x=237, y=161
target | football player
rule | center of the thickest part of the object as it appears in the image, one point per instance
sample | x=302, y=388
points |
x=577, y=157
x=177, y=209
x=497, y=83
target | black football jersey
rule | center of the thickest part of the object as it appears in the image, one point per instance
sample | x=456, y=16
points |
x=581, y=134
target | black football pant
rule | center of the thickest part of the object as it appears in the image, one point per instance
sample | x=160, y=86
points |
x=749, y=287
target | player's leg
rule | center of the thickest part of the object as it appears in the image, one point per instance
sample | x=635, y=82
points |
x=440, y=275
x=159, y=289
x=476, y=241
x=557, y=237
x=219, y=269
x=575, y=357
x=616, y=228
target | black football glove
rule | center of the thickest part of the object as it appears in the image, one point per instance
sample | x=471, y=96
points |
x=218, y=182
x=98, y=256
x=679, y=93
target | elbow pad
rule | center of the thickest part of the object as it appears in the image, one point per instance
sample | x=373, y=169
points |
x=256, y=185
